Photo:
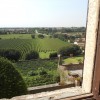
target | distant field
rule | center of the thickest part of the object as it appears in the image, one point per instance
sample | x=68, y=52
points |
x=75, y=33
x=16, y=36
x=26, y=43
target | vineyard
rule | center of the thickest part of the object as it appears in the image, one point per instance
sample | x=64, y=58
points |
x=45, y=45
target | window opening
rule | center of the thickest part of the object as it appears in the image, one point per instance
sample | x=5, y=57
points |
x=43, y=55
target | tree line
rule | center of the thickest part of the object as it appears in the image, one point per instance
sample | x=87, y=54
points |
x=41, y=30
x=15, y=55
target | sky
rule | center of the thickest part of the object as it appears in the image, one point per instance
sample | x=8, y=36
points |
x=43, y=13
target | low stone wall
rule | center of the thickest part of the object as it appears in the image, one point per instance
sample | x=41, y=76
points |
x=72, y=66
x=75, y=66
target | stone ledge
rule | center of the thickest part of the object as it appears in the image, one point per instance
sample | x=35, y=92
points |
x=50, y=87
x=51, y=95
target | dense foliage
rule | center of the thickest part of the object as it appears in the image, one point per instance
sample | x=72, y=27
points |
x=66, y=37
x=41, y=36
x=53, y=55
x=33, y=36
x=10, y=54
x=32, y=55
x=38, y=72
x=70, y=49
x=11, y=82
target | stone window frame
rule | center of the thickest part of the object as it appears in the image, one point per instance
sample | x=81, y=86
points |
x=92, y=27
x=91, y=42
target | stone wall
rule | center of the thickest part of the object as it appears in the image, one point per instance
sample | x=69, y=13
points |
x=69, y=72
x=73, y=66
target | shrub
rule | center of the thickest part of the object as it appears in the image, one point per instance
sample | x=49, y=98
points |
x=56, y=77
x=10, y=54
x=70, y=49
x=33, y=36
x=32, y=73
x=53, y=55
x=55, y=36
x=11, y=82
x=41, y=36
x=42, y=71
x=50, y=36
x=32, y=55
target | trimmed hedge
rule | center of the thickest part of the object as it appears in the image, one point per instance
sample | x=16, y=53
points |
x=33, y=36
x=53, y=55
x=10, y=54
x=32, y=55
x=41, y=36
x=11, y=82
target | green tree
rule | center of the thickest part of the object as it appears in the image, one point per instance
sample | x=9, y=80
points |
x=53, y=55
x=41, y=36
x=11, y=82
x=70, y=49
x=33, y=36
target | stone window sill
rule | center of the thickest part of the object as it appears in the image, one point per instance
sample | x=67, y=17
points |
x=52, y=95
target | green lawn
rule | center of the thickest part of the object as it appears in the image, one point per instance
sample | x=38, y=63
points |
x=44, y=54
x=73, y=60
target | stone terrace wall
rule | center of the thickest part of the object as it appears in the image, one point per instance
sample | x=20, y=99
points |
x=72, y=67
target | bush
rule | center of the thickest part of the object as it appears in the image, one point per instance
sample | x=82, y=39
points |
x=53, y=55
x=32, y=73
x=41, y=36
x=10, y=54
x=55, y=36
x=70, y=49
x=33, y=36
x=32, y=55
x=11, y=82
x=42, y=71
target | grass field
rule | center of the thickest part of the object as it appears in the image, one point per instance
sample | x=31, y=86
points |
x=25, y=43
x=45, y=54
x=73, y=60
